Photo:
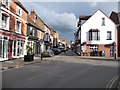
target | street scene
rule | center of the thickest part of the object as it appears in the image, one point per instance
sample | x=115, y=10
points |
x=49, y=44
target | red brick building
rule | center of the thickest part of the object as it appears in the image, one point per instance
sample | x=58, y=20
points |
x=13, y=29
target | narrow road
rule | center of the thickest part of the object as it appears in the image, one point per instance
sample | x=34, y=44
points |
x=63, y=71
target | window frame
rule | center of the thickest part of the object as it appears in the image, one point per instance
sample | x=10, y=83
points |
x=103, y=22
x=19, y=11
x=18, y=31
x=91, y=38
x=110, y=35
x=6, y=26
x=6, y=4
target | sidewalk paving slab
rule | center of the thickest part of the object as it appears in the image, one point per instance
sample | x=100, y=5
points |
x=16, y=63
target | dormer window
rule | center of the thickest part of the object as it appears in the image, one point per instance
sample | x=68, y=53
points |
x=19, y=11
x=103, y=21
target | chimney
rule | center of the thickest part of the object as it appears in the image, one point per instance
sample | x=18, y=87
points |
x=33, y=14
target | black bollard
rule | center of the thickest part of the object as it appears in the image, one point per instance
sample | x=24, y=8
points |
x=115, y=56
x=41, y=57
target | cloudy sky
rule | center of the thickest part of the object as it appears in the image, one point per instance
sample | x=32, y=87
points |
x=63, y=15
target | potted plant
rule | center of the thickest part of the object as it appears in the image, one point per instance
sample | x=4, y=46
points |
x=30, y=55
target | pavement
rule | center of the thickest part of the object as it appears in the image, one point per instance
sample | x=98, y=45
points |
x=17, y=63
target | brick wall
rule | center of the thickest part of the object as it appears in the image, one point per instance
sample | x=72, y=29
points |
x=13, y=7
x=100, y=48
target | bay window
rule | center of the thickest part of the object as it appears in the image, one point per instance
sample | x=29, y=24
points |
x=94, y=34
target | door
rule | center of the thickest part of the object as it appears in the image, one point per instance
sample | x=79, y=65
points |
x=10, y=42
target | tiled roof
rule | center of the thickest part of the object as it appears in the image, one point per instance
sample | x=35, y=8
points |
x=119, y=17
x=31, y=22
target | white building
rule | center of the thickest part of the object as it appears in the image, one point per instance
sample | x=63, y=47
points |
x=98, y=35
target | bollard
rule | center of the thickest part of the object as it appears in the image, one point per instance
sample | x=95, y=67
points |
x=115, y=56
x=41, y=57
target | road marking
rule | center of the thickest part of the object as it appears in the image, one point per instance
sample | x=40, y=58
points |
x=110, y=84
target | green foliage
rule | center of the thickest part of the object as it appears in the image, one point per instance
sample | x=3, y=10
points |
x=29, y=50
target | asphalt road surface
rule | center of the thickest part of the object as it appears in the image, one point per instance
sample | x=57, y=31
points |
x=63, y=71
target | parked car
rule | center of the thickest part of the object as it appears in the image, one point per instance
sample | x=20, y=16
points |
x=62, y=49
x=47, y=53
x=56, y=51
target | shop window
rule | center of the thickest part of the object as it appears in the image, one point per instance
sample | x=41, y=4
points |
x=93, y=48
x=1, y=48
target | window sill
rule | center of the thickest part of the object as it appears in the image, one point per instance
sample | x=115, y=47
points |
x=18, y=32
x=108, y=39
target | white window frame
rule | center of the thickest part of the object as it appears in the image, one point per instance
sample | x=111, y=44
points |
x=19, y=11
x=16, y=27
x=109, y=35
x=3, y=58
x=5, y=22
x=6, y=27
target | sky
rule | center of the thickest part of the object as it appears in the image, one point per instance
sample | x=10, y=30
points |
x=63, y=15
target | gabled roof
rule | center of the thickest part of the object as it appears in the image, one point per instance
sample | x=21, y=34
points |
x=119, y=17
x=95, y=13
x=115, y=17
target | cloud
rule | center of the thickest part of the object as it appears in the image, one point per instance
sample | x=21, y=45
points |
x=64, y=22
x=93, y=3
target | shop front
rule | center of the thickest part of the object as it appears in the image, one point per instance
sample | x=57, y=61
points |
x=11, y=46
x=33, y=43
x=3, y=47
